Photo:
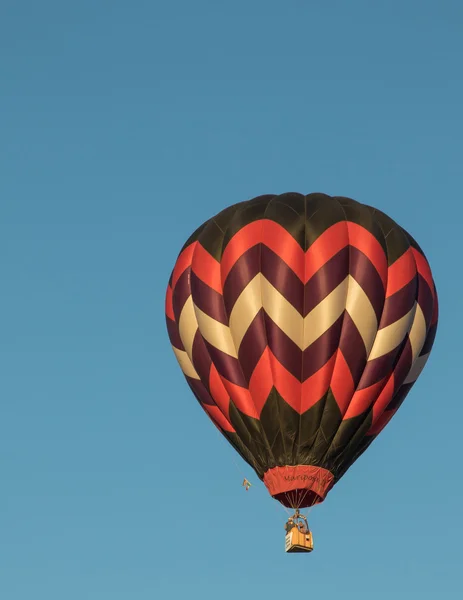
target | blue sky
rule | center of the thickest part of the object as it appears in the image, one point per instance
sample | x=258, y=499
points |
x=124, y=125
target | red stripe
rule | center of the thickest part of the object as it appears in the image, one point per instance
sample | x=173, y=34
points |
x=261, y=381
x=381, y=423
x=299, y=396
x=424, y=269
x=218, y=391
x=183, y=262
x=400, y=273
x=207, y=268
x=330, y=242
x=241, y=398
x=363, y=399
x=275, y=237
x=289, y=388
x=363, y=240
x=316, y=386
x=285, y=246
x=383, y=399
x=246, y=238
x=272, y=235
x=216, y=416
x=169, y=304
x=342, y=384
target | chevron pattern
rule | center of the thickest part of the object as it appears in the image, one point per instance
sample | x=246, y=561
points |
x=300, y=324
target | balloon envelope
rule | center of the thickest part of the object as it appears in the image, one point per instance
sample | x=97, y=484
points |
x=300, y=324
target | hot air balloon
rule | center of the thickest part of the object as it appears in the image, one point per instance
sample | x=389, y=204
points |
x=300, y=323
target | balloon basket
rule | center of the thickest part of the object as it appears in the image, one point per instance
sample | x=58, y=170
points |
x=296, y=541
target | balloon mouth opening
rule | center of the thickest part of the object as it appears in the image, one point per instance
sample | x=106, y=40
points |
x=299, y=486
x=298, y=498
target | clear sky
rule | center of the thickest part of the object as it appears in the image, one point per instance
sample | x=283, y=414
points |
x=123, y=126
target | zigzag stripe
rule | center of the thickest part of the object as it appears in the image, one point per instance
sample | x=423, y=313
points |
x=227, y=339
x=302, y=331
x=304, y=264
x=313, y=358
x=261, y=260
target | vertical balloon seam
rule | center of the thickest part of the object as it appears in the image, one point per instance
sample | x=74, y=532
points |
x=323, y=411
x=299, y=432
x=272, y=369
x=333, y=435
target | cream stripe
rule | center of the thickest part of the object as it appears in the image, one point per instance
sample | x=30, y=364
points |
x=245, y=309
x=418, y=332
x=302, y=332
x=416, y=369
x=361, y=312
x=188, y=326
x=215, y=333
x=391, y=336
x=185, y=363
x=322, y=317
x=282, y=312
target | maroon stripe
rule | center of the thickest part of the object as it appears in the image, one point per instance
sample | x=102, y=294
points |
x=200, y=391
x=353, y=348
x=319, y=353
x=208, y=300
x=277, y=272
x=403, y=365
x=399, y=397
x=253, y=345
x=181, y=293
x=284, y=349
x=425, y=299
x=377, y=369
x=325, y=280
x=429, y=340
x=261, y=259
x=201, y=358
x=242, y=272
x=399, y=304
x=226, y=365
x=174, y=335
x=366, y=275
